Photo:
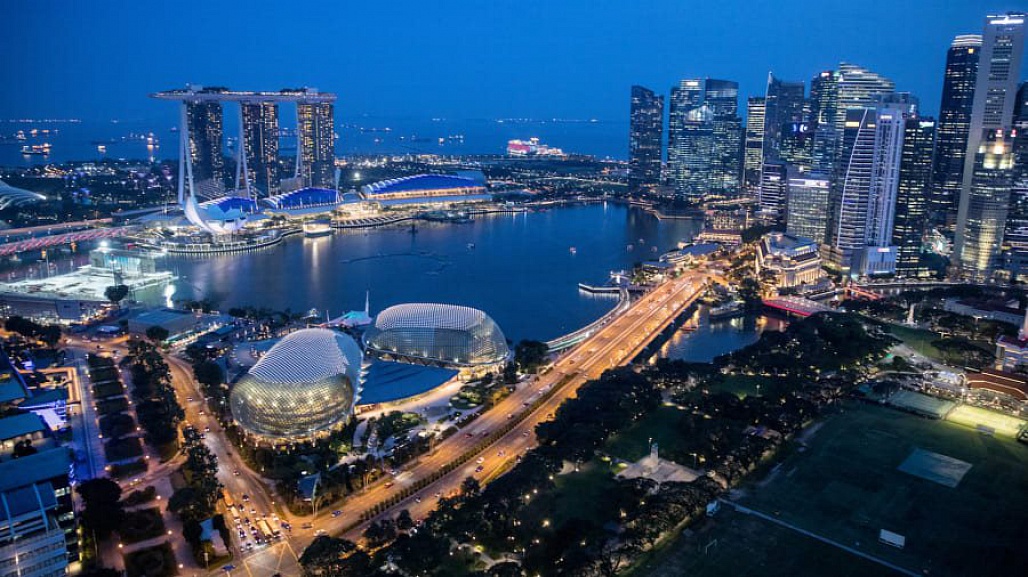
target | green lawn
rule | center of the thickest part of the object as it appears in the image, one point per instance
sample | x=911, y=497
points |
x=919, y=340
x=846, y=487
x=660, y=425
x=745, y=546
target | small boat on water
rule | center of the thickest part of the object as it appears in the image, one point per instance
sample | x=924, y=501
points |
x=727, y=310
x=573, y=250
x=36, y=149
x=316, y=228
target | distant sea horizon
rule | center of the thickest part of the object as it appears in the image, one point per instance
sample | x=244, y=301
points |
x=364, y=135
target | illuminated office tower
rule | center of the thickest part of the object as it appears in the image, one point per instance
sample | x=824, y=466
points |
x=823, y=91
x=753, y=144
x=807, y=205
x=645, y=135
x=689, y=133
x=773, y=179
x=958, y=84
x=260, y=141
x=783, y=105
x=980, y=224
x=861, y=236
x=316, y=131
x=705, y=138
x=722, y=96
x=913, y=190
x=984, y=209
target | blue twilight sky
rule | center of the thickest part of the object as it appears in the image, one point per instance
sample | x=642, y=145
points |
x=98, y=60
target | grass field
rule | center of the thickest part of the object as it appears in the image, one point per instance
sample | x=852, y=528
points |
x=919, y=340
x=660, y=425
x=846, y=486
x=975, y=417
x=746, y=546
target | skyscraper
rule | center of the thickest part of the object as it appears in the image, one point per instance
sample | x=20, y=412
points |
x=958, y=84
x=783, y=106
x=685, y=137
x=645, y=135
x=753, y=144
x=260, y=142
x=705, y=138
x=980, y=225
x=772, y=198
x=862, y=232
x=984, y=208
x=807, y=202
x=316, y=129
x=722, y=96
x=915, y=177
x=206, y=129
x=824, y=89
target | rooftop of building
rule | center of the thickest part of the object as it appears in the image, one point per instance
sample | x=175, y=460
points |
x=34, y=468
x=19, y=425
x=420, y=182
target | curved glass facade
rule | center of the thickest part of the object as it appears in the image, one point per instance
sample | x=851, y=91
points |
x=307, y=383
x=445, y=334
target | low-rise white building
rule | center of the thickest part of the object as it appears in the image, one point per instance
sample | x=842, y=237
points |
x=793, y=260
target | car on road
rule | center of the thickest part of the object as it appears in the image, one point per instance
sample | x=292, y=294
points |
x=235, y=473
x=480, y=460
x=526, y=433
x=389, y=484
x=320, y=532
x=336, y=513
x=307, y=526
x=479, y=469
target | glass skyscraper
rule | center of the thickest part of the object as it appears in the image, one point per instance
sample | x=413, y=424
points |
x=783, y=106
x=915, y=177
x=705, y=138
x=954, y=124
x=645, y=135
x=980, y=222
x=205, y=124
x=753, y=144
x=807, y=205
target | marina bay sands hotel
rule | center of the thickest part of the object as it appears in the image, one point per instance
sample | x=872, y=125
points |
x=202, y=119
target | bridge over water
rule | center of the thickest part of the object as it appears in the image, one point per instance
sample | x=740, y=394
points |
x=42, y=242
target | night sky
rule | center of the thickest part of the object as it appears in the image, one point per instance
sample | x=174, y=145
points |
x=454, y=59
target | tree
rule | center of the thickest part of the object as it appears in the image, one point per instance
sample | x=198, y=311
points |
x=157, y=334
x=208, y=374
x=529, y=355
x=331, y=557
x=116, y=293
x=404, y=522
x=103, y=512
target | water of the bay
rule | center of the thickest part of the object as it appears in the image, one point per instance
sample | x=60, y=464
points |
x=519, y=268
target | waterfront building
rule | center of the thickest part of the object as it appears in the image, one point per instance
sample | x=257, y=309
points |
x=753, y=144
x=980, y=222
x=425, y=189
x=772, y=199
x=316, y=150
x=260, y=144
x=205, y=126
x=304, y=387
x=793, y=261
x=722, y=96
x=912, y=192
x=983, y=210
x=860, y=239
x=807, y=205
x=646, y=134
x=958, y=84
x=438, y=334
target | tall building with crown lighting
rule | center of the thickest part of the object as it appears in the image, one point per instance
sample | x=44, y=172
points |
x=645, y=136
x=316, y=130
x=260, y=142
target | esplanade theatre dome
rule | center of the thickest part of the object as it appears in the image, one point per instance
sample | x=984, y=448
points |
x=306, y=384
x=437, y=333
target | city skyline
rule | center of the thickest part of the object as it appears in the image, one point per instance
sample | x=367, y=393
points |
x=507, y=57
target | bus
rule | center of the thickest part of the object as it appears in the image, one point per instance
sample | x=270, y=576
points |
x=266, y=530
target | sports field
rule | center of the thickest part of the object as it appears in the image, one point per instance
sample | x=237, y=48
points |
x=921, y=404
x=848, y=485
x=985, y=420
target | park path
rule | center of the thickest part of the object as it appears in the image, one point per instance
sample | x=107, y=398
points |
x=802, y=531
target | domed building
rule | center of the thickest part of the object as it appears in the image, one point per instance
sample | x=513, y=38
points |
x=438, y=334
x=304, y=386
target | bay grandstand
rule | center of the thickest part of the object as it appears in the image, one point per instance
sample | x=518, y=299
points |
x=443, y=335
x=305, y=386
x=425, y=189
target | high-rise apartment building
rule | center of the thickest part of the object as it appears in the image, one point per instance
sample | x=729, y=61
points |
x=980, y=223
x=954, y=125
x=645, y=136
x=260, y=143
